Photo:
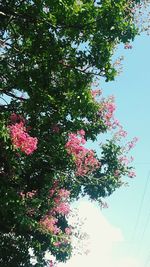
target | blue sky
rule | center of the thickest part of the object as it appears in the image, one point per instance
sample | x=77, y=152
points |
x=127, y=220
x=129, y=207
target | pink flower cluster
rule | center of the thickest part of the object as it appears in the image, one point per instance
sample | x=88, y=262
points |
x=106, y=113
x=84, y=158
x=21, y=139
x=120, y=133
x=49, y=222
x=107, y=109
x=124, y=160
x=131, y=174
x=61, y=206
x=64, y=240
x=96, y=92
x=128, y=46
x=61, y=202
x=132, y=143
x=29, y=194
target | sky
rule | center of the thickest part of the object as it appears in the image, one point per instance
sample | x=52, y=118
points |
x=119, y=236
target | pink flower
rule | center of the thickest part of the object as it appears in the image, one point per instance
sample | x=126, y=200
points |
x=22, y=194
x=132, y=143
x=63, y=193
x=65, y=241
x=49, y=223
x=21, y=139
x=84, y=158
x=61, y=200
x=51, y=192
x=68, y=230
x=51, y=264
x=128, y=46
x=106, y=111
x=124, y=160
x=120, y=133
x=116, y=173
x=62, y=208
x=31, y=194
x=131, y=174
x=81, y=132
x=96, y=92
x=110, y=107
x=116, y=123
x=57, y=244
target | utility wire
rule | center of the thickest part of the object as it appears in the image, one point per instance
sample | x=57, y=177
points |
x=143, y=233
x=141, y=205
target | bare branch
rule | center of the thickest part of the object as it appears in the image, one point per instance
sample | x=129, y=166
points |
x=14, y=96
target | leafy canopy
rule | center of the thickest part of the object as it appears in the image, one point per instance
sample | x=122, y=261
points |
x=51, y=53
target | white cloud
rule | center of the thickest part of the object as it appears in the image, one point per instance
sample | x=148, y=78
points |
x=128, y=262
x=102, y=238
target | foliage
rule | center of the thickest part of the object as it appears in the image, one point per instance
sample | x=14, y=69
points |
x=51, y=52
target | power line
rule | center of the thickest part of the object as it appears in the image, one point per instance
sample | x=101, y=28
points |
x=141, y=205
x=143, y=233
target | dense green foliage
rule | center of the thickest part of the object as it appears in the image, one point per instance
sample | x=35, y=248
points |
x=51, y=52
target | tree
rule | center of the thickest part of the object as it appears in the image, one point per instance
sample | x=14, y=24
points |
x=51, y=53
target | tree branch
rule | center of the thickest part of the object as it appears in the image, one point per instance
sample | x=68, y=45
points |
x=14, y=96
x=81, y=70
